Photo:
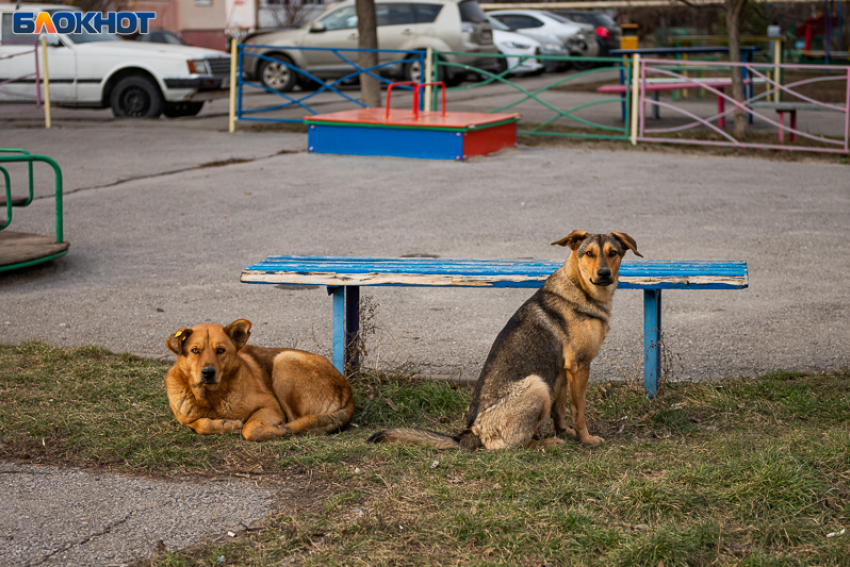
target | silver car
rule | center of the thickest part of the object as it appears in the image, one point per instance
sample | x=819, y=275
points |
x=579, y=39
x=403, y=25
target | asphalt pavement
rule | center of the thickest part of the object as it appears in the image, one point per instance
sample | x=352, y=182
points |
x=162, y=217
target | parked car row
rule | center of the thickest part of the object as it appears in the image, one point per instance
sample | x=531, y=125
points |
x=283, y=59
x=100, y=70
x=158, y=74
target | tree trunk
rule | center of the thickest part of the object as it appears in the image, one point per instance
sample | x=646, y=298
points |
x=734, y=8
x=367, y=33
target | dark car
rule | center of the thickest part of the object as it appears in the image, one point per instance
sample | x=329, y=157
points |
x=607, y=30
x=157, y=36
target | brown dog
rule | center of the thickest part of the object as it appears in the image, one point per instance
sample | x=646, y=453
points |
x=221, y=385
x=542, y=355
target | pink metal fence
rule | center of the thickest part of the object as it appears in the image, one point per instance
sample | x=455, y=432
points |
x=36, y=75
x=764, y=110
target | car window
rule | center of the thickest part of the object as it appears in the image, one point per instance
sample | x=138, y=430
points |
x=426, y=13
x=519, y=22
x=9, y=37
x=558, y=18
x=394, y=14
x=576, y=17
x=497, y=25
x=342, y=19
x=86, y=37
x=470, y=11
x=607, y=21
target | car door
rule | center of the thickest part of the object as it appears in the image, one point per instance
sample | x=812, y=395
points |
x=61, y=65
x=18, y=62
x=396, y=28
x=336, y=30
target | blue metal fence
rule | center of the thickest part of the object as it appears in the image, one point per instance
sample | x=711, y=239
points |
x=300, y=98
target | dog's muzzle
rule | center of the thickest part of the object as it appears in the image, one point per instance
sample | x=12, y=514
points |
x=603, y=278
x=208, y=375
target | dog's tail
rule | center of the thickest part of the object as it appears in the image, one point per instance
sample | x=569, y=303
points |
x=411, y=436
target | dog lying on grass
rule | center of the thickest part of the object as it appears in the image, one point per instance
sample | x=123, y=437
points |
x=221, y=385
x=542, y=356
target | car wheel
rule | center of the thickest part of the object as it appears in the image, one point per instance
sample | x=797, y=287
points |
x=501, y=65
x=308, y=84
x=582, y=65
x=178, y=109
x=412, y=71
x=136, y=97
x=277, y=76
x=454, y=80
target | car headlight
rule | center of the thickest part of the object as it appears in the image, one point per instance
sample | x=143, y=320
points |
x=466, y=27
x=199, y=67
x=553, y=47
x=517, y=45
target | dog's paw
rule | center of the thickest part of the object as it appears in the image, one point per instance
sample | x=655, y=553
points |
x=565, y=431
x=551, y=442
x=591, y=440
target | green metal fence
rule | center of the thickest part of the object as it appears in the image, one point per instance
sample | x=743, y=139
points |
x=563, y=121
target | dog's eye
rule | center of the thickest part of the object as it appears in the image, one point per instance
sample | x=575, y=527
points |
x=220, y=350
x=589, y=254
x=613, y=253
x=195, y=350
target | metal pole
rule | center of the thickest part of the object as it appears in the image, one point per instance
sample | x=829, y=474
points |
x=635, y=99
x=429, y=64
x=234, y=61
x=47, y=121
x=777, y=60
x=651, y=340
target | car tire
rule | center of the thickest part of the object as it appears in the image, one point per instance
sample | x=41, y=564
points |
x=455, y=79
x=178, y=109
x=501, y=65
x=136, y=97
x=277, y=76
x=582, y=65
x=308, y=84
x=412, y=71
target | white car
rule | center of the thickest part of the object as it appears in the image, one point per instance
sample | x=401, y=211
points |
x=579, y=39
x=511, y=43
x=99, y=70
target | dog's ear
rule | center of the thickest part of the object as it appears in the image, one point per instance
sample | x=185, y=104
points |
x=573, y=240
x=175, y=341
x=238, y=331
x=627, y=241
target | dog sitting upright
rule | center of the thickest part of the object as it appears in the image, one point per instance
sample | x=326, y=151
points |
x=221, y=385
x=541, y=356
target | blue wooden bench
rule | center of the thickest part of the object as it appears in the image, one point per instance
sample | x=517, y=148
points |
x=344, y=276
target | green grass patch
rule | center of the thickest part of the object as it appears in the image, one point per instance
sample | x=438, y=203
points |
x=745, y=472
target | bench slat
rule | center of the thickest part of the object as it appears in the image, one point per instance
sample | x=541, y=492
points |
x=522, y=273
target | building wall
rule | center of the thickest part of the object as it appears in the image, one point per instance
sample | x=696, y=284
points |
x=166, y=13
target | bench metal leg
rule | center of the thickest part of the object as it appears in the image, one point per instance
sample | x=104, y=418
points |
x=338, y=294
x=352, y=328
x=346, y=326
x=651, y=340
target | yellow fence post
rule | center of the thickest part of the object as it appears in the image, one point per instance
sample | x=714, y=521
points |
x=234, y=60
x=777, y=60
x=45, y=82
x=635, y=101
x=429, y=63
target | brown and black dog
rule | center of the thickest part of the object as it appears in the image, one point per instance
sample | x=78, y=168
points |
x=541, y=356
x=221, y=385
